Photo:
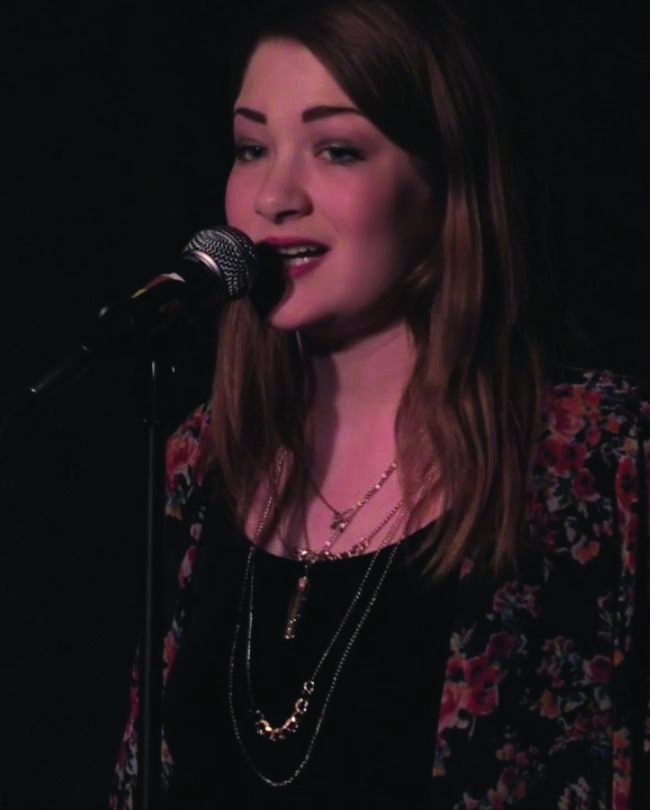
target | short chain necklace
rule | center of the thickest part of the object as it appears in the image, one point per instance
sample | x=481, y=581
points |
x=342, y=517
x=359, y=547
x=293, y=722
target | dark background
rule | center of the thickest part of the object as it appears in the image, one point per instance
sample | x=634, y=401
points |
x=115, y=150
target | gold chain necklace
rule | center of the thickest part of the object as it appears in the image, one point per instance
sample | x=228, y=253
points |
x=308, y=557
x=342, y=517
x=359, y=547
x=301, y=591
x=340, y=522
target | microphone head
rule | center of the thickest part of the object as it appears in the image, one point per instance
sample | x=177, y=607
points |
x=230, y=254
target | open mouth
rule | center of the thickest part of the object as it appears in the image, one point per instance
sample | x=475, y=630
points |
x=300, y=255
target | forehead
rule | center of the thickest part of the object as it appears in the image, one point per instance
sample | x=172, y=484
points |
x=284, y=71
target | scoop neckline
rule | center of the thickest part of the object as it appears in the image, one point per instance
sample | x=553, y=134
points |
x=367, y=555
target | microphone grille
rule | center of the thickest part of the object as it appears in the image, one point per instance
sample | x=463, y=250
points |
x=233, y=254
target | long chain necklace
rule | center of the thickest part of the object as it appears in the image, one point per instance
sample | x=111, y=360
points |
x=301, y=706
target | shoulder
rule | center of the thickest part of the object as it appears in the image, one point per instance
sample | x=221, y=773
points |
x=593, y=427
x=587, y=461
x=187, y=457
x=539, y=661
x=593, y=405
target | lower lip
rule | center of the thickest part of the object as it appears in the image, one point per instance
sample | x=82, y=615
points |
x=297, y=270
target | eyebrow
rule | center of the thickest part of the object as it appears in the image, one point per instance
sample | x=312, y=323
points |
x=311, y=114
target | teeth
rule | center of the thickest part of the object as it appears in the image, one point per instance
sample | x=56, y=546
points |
x=299, y=251
x=298, y=259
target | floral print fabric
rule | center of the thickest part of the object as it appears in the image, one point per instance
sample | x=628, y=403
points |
x=545, y=702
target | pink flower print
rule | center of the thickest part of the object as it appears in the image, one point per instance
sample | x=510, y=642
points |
x=584, y=485
x=599, y=669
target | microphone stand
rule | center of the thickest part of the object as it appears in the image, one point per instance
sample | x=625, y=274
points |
x=154, y=378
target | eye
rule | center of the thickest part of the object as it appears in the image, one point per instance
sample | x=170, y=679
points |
x=341, y=155
x=248, y=152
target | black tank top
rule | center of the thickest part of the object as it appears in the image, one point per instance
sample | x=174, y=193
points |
x=377, y=733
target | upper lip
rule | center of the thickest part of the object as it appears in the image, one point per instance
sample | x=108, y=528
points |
x=291, y=241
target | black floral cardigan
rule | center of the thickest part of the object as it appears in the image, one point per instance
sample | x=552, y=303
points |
x=545, y=703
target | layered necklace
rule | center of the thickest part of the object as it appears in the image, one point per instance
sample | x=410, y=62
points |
x=340, y=520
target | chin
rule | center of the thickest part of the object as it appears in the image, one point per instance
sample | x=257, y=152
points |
x=308, y=323
x=295, y=312
x=330, y=327
x=287, y=321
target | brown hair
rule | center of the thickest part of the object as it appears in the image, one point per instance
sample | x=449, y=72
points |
x=413, y=70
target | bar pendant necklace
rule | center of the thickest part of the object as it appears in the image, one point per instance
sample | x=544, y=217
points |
x=296, y=604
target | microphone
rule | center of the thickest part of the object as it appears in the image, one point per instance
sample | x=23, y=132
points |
x=217, y=265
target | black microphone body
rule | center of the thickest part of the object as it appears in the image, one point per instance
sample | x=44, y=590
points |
x=217, y=265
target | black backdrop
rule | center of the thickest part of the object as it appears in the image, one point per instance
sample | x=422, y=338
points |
x=115, y=152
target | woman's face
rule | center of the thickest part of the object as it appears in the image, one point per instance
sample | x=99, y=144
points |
x=346, y=208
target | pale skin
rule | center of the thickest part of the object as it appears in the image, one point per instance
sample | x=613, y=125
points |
x=330, y=177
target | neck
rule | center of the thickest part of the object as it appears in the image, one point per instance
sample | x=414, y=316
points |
x=358, y=389
x=373, y=368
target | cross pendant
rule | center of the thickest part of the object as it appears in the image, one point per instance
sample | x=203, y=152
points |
x=340, y=521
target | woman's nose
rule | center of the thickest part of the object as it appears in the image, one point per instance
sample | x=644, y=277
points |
x=283, y=194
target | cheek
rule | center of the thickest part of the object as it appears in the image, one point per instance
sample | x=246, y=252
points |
x=413, y=219
x=383, y=218
x=236, y=201
x=362, y=212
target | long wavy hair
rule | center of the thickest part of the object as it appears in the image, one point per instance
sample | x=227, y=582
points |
x=413, y=69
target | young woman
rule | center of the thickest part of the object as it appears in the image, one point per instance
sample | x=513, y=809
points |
x=413, y=569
